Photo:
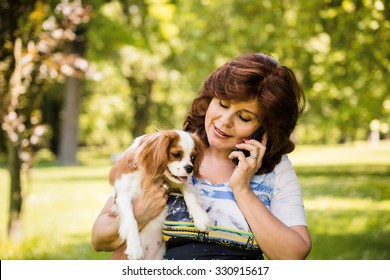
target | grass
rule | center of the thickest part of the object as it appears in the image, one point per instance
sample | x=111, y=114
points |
x=346, y=192
x=347, y=200
x=61, y=204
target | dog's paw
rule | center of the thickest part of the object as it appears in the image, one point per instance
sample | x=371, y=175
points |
x=134, y=252
x=123, y=232
x=201, y=221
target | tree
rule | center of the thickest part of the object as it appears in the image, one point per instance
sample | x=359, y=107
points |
x=339, y=50
x=140, y=68
x=32, y=59
x=156, y=54
x=133, y=37
x=72, y=104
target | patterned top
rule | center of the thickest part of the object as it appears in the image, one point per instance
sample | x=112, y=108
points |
x=279, y=191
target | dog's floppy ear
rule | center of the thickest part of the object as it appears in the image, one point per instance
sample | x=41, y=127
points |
x=153, y=154
x=198, y=152
x=124, y=164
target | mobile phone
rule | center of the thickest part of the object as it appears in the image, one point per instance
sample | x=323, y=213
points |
x=257, y=135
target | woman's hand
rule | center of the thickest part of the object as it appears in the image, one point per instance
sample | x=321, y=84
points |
x=150, y=204
x=247, y=166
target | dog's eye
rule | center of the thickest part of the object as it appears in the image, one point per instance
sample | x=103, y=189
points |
x=193, y=158
x=176, y=155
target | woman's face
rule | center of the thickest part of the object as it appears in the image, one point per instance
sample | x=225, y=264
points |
x=228, y=122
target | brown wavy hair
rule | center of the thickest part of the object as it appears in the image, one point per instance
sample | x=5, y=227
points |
x=249, y=77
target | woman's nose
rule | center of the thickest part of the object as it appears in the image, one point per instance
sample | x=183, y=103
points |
x=227, y=120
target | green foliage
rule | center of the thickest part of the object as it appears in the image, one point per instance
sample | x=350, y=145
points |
x=349, y=60
x=339, y=50
x=345, y=189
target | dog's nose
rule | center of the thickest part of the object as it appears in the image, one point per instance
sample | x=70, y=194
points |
x=189, y=168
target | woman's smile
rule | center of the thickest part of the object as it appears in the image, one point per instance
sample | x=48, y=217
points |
x=220, y=134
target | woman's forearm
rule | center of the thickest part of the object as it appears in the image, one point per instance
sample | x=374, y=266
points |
x=105, y=235
x=275, y=239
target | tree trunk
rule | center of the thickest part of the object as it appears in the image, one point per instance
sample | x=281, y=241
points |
x=70, y=122
x=142, y=99
x=72, y=104
x=15, y=228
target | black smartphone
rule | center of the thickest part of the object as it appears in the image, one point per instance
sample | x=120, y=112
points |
x=257, y=135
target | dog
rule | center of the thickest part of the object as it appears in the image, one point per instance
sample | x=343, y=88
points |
x=171, y=154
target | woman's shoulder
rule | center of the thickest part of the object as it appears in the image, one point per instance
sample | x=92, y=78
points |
x=284, y=165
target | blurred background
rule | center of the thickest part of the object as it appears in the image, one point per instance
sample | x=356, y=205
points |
x=80, y=79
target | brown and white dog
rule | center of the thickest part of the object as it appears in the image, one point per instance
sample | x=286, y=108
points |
x=171, y=154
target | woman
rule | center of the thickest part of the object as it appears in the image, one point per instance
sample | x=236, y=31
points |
x=256, y=205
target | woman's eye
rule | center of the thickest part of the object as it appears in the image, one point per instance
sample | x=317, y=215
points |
x=223, y=105
x=244, y=119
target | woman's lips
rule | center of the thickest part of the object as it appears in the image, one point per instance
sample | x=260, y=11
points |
x=220, y=133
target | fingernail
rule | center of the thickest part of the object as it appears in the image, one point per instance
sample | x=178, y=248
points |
x=246, y=139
